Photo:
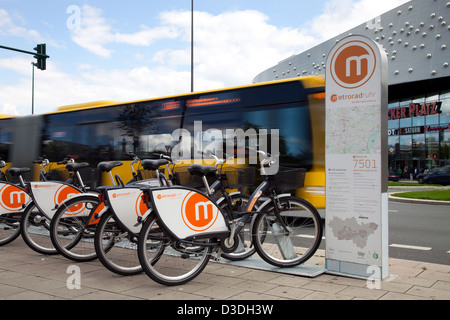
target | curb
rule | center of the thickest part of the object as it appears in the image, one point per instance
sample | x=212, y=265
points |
x=419, y=201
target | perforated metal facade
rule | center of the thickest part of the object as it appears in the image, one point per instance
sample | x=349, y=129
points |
x=416, y=38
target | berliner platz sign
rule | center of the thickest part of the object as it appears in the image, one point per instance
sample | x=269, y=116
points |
x=356, y=220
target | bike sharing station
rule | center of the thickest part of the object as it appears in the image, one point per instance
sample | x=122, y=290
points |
x=356, y=220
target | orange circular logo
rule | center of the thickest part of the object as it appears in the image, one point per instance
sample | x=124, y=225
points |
x=198, y=212
x=65, y=192
x=353, y=64
x=12, y=198
x=141, y=207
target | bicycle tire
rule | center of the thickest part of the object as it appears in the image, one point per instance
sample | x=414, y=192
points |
x=117, y=256
x=166, y=261
x=245, y=248
x=35, y=230
x=71, y=234
x=9, y=227
x=282, y=249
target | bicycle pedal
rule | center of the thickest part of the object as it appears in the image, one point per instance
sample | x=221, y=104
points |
x=217, y=256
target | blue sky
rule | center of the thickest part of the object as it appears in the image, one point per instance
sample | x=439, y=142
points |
x=121, y=51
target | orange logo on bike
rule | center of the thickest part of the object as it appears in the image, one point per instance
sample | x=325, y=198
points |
x=12, y=198
x=141, y=207
x=66, y=192
x=198, y=212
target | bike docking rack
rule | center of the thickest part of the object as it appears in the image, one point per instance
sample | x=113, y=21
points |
x=286, y=179
x=222, y=232
x=225, y=234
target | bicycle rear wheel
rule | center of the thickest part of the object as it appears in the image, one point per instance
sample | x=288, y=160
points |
x=291, y=247
x=35, y=228
x=165, y=260
x=116, y=248
x=70, y=230
x=9, y=227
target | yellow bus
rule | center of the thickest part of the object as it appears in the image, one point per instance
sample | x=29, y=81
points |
x=105, y=130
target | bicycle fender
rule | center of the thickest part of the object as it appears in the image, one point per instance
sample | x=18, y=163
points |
x=74, y=197
x=219, y=201
x=267, y=201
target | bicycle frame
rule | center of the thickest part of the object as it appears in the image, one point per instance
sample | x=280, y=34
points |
x=165, y=201
x=48, y=196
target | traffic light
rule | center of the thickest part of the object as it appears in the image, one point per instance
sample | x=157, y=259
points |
x=41, y=56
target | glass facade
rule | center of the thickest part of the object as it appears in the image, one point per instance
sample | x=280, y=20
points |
x=419, y=133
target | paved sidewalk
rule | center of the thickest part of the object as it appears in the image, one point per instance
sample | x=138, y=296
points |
x=26, y=275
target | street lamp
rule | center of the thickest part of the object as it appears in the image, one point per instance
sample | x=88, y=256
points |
x=192, y=45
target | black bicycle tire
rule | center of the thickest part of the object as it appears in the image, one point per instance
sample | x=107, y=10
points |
x=13, y=236
x=26, y=236
x=101, y=252
x=292, y=262
x=152, y=220
x=65, y=251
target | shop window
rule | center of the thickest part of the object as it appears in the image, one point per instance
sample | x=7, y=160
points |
x=418, y=146
x=432, y=145
x=434, y=118
x=405, y=146
x=445, y=107
x=445, y=145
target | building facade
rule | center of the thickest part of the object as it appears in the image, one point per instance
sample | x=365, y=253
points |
x=416, y=38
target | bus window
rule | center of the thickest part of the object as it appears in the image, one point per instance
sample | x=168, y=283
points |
x=5, y=139
x=293, y=123
x=105, y=134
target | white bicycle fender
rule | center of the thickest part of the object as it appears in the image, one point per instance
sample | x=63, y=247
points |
x=77, y=196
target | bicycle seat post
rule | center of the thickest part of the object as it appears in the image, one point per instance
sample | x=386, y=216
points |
x=80, y=180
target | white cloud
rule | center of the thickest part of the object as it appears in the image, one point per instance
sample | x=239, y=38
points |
x=8, y=27
x=230, y=49
x=94, y=33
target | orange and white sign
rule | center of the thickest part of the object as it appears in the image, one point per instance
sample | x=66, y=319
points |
x=47, y=195
x=353, y=64
x=355, y=157
x=187, y=212
x=12, y=198
x=127, y=205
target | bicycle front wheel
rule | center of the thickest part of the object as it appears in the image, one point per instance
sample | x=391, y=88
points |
x=9, y=227
x=70, y=230
x=293, y=240
x=167, y=261
x=35, y=228
x=116, y=248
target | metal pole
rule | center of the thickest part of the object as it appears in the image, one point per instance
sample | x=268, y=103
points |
x=192, y=45
x=32, y=88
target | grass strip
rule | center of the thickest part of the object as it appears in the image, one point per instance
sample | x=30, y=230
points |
x=437, y=195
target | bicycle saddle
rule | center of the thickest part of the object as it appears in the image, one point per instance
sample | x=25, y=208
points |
x=18, y=171
x=76, y=166
x=150, y=164
x=108, y=166
x=201, y=169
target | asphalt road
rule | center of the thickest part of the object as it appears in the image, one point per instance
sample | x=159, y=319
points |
x=419, y=232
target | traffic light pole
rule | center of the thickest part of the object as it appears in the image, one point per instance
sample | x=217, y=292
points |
x=41, y=57
x=40, y=54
